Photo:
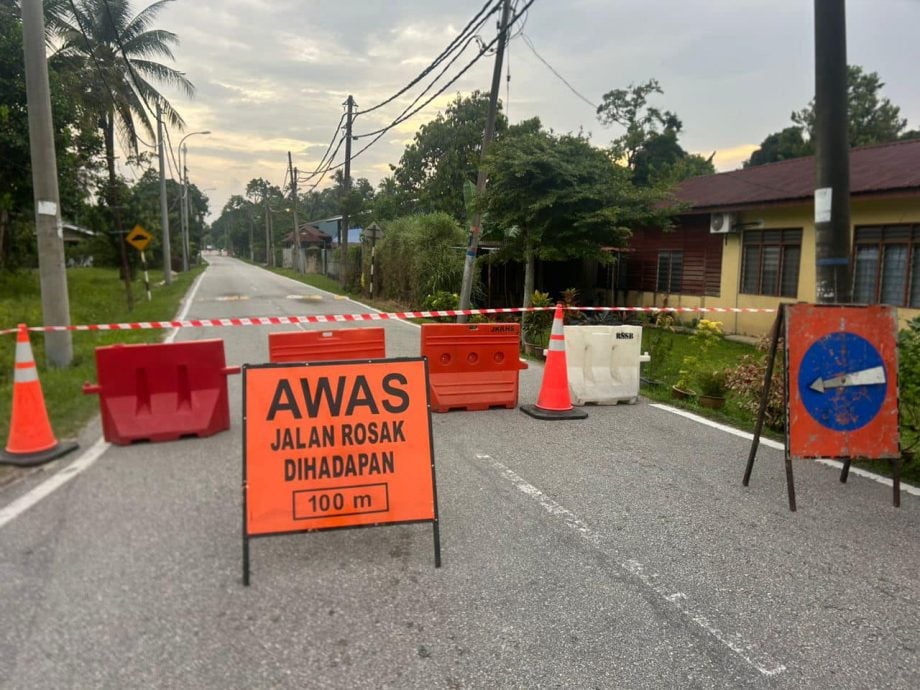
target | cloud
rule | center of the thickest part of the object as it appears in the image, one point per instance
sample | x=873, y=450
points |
x=272, y=75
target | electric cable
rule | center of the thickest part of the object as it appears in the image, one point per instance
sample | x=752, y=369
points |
x=322, y=160
x=440, y=58
x=553, y=70
x=402, y=117
x=328, y=165
x=483, y=50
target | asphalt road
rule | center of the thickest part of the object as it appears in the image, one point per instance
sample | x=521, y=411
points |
x=620, y=551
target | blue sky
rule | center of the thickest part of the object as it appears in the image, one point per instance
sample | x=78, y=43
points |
x=271, y=75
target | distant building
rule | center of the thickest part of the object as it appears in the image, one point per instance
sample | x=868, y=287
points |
x=333, y=226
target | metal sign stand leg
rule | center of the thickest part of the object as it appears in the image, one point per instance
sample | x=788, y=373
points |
x=845, y=472
x=437, y=544
x=245, y=562
x=762, y=412
x=896, y=480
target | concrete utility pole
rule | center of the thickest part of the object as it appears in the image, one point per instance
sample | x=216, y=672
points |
x=48, y=227
x=164, y=211
x=251, y=225
x=269, y=258
x=343, y=238
x=832, y=155
x=295, y=253
x=183, y=160
x=466, y=287
x=183, y=153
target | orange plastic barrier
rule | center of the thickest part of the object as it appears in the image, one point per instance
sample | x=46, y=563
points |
x=472, y=366
x=323, y=346
x=163, y=391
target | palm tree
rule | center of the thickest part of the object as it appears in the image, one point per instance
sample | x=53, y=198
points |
x=118, y=54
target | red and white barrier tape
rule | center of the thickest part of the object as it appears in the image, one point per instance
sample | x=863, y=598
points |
x=340, y=318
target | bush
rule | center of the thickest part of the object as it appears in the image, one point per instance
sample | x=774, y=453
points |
x=746, y=381
x=660, y=343
x=909, y=383
x=441, y=301
x=711, y=382
x=420, y=256
x=705, y=336
x=537, y=324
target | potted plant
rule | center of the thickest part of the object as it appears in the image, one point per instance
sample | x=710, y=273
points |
x=681, y=390
x=712, y=387
x=537, y=325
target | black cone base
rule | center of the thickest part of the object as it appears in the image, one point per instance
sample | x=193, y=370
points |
x=31, y=459
x=540, y=413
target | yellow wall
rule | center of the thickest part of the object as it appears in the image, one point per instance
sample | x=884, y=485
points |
x=862, y=212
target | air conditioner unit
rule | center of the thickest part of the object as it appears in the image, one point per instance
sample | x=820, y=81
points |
x=720, y=223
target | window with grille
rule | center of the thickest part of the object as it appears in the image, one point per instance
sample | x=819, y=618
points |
x=770, y=262
x=886, y=265
x=670, y=271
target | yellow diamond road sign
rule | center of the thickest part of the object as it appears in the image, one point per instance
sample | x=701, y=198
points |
x=139, y=238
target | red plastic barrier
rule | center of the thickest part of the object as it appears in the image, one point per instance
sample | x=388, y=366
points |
x=472, y=366
x=323, y=346
x=162, y=391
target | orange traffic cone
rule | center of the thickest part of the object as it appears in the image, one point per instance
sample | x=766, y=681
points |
x=31, y=440
x=554, y=401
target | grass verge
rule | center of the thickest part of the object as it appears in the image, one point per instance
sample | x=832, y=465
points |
x=96, y=296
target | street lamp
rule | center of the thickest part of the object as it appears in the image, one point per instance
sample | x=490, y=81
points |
x=184, y=172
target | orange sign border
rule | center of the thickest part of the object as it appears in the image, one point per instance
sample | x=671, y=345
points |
x=418, y=396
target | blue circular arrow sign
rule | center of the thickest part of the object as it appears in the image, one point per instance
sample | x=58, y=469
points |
x=842, y=381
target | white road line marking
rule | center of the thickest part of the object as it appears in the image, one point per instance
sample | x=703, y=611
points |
x=678, y=600
x=53, y=483
x=85, y=461
x=776, y=445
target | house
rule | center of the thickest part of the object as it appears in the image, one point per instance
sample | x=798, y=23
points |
x=746, y=239
x=310, y=237
x=333, y=227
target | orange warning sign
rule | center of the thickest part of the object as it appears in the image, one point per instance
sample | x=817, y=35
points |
x=342, y=444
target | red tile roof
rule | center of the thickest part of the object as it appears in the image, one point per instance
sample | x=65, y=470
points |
x=878, y=169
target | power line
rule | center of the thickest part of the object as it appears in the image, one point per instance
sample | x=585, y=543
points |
x=483, y=50
x=552, y=69
x=440, y=58
x=405, y=115
x=329, y=166
x=402, y=117
x=322, y=160
x=172, y=156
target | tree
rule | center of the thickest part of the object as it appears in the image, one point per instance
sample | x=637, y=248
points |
x=872, y=120
x=649, y=146
x=559, y=197
x=444, y=154
x=780, y=146
x=75, y=145
x=116, y=54
x=388, y=202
